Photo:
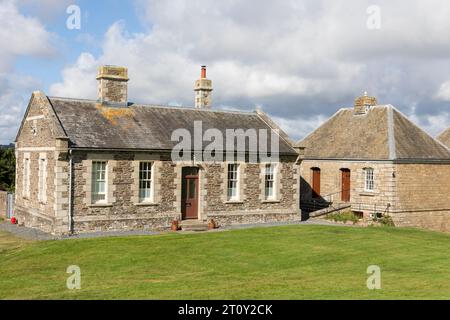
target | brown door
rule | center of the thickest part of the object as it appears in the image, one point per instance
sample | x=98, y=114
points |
x=189, y=193
x=345, y=187
x=316, y=183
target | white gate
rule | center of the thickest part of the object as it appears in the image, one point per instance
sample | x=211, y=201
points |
x=10, y=205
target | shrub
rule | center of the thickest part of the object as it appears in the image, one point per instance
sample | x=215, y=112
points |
x=343, y=217
x=386, y=220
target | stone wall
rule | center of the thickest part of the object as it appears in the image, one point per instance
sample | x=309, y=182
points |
x=414, y=195
x=122, y=212
x=423, y=191
x=381, y=199
x=252, y=207
x=37, y=141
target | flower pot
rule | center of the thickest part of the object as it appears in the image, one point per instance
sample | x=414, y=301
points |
x=212, y=224
x=174, y=225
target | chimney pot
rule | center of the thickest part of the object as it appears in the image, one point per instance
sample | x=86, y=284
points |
x=203, y=75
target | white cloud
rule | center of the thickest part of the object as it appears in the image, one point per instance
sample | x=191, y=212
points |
x=79, y=79
x=444, y=91
x=19, y=36
x=298, y=59
x=46, y=10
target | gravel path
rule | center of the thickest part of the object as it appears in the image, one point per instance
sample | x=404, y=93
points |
x=25, y=233
x=34, y=234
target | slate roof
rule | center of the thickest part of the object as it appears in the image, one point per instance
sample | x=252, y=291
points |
x=444, y=137
x=383, y=133
x=87, y=124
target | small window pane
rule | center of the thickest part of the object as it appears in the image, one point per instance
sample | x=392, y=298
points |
x=269, y=182
x=192, y=189
x=232, y=181
x=145, y=181
x=369, y=179
x=98, y=181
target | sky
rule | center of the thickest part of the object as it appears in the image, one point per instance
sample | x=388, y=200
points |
x=299, y=61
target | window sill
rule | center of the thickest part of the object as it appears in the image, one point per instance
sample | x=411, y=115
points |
x=234, y=202
x=100, y=205
x=270, y=201
x=368, y=194
x=146, y=204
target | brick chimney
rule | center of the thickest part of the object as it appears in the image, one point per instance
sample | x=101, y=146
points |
x=112, y=86
x=203, y=89
x=363, y=104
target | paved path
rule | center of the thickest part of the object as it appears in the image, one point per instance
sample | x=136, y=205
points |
x=34, y=234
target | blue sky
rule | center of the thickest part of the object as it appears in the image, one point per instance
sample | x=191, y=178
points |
x=96, y=18
x=300, y=61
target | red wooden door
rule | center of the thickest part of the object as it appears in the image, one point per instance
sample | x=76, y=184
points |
x=189, y=193
x=345, y=185
x=316, y=183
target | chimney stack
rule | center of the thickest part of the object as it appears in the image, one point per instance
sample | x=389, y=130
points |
x=363, y=104
x=112, y=86
x=203, y=89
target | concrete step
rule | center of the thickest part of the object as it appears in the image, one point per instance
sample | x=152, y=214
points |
x=194, y=225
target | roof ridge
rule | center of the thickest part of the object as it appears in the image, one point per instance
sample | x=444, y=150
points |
x=443, y=132
x=391, y=133
x=161, y=106
x=420, y=128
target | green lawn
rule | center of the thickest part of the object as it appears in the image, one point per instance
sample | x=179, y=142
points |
x=291, y=262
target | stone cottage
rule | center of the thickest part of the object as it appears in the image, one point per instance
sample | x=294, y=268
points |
x=372, y=160
x=108, y=164
x=444, y=137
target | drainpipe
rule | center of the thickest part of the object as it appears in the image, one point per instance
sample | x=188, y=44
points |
x=70, y=192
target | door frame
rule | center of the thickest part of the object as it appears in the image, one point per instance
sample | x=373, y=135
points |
x=348, y=194
x=184, y=182
x=315, y=185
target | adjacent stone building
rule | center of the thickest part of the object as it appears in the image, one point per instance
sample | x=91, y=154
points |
x=373, y=160
x=108, y=164
x=444, y=137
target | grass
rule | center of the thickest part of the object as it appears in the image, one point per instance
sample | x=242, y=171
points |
x=289, y=262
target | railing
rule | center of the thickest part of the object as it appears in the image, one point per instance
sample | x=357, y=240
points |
x=327, y=201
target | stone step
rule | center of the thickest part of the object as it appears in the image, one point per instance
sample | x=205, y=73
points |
x=329, y=210
x=194, y=225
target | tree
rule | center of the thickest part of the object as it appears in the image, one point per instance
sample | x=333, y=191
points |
x=7, y=169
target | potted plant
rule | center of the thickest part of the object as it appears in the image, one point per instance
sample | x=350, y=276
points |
x=212, y=224
x=175, y=225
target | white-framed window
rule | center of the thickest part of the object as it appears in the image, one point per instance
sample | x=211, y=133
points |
x=146, y=182
x=99, y=183
x=26, y=177
x=233, y=182
x=369, y=179
x=270, y=181
x=42, y=195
